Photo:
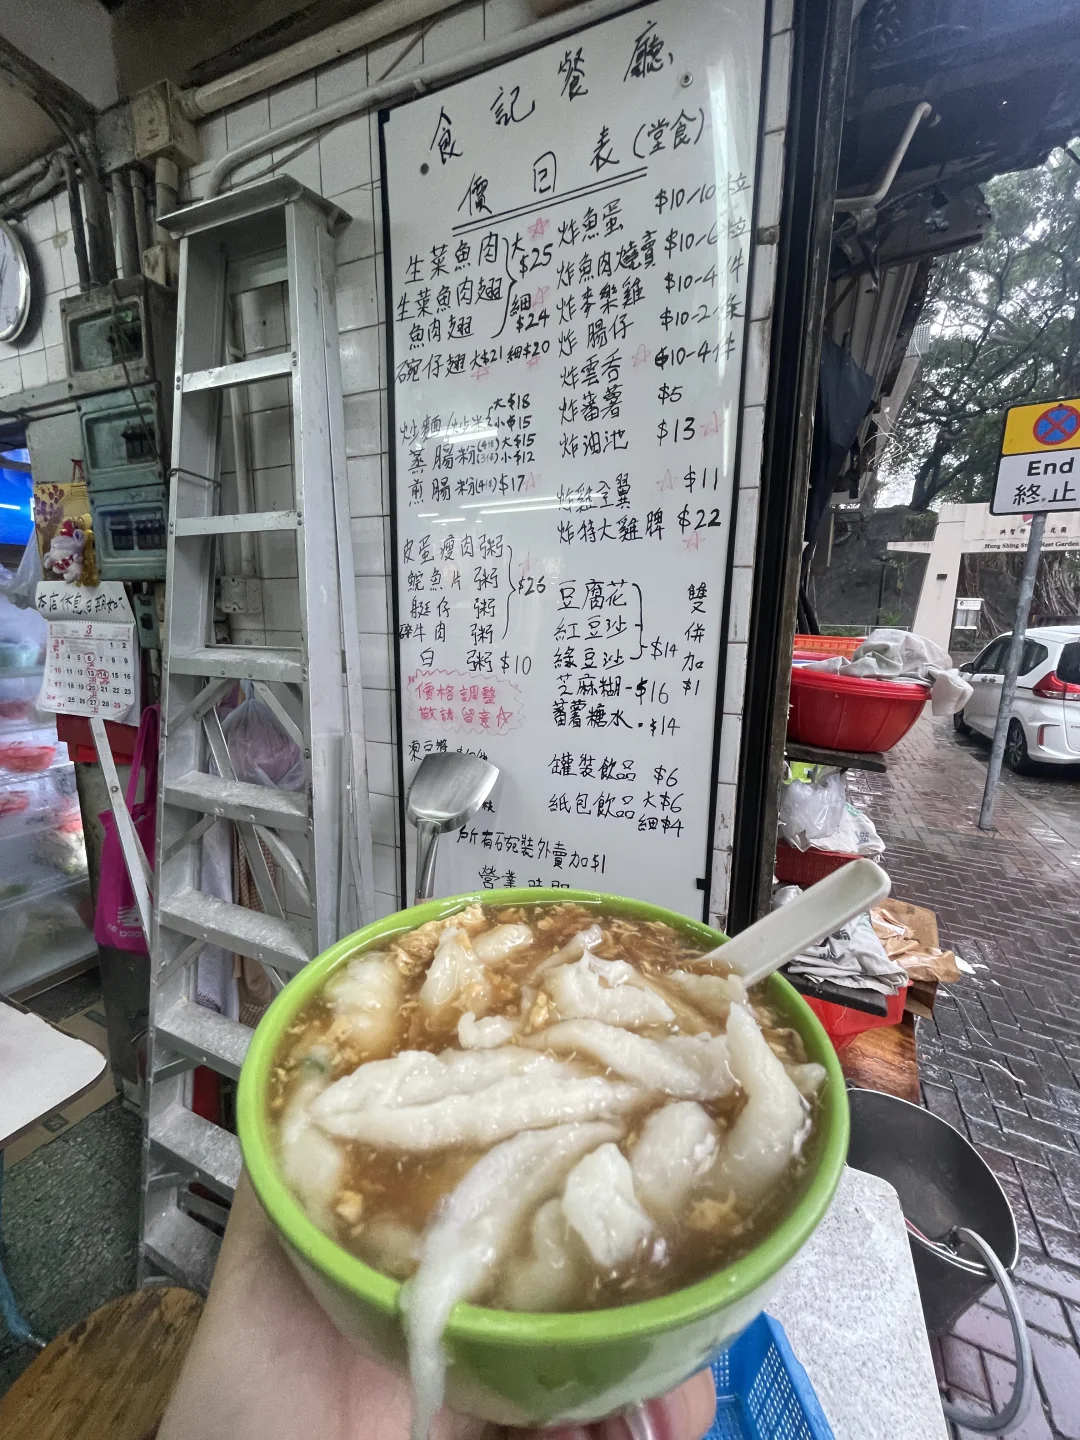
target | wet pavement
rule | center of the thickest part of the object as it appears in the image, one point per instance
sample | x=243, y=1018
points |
x=1000, y=1060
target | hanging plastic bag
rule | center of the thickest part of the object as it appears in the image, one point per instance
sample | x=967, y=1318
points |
x=23, y=586
x=811, y=805
x=116, y=921
x=261, y=752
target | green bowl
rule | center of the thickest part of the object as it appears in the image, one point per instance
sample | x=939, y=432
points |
x=519, y=1369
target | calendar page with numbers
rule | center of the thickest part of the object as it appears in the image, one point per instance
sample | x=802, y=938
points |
x=92, y=668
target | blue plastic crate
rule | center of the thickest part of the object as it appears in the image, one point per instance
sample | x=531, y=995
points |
x=762, y=1392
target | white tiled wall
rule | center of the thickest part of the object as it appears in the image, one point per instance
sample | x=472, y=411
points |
x=39, y=358
x=342, y=164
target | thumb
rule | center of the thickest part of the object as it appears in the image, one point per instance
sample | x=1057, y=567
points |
x=682, y=1414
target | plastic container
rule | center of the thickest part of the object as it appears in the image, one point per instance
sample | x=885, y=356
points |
x=821, y=645
x=45, y=933
x=29, y=801
x=35, y=859
x=806, y=867
x=21, y=758
x=847, y=712
x=762, y=1392
x=842, y=1023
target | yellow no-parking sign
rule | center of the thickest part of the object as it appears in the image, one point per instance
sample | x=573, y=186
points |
x=1039, y=467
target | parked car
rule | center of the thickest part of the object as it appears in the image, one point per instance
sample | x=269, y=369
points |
x=1044, y=725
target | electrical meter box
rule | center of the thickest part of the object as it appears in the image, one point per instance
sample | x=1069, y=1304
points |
x=120, y=334
x=130, y=528
x=125, y=450
x=125, y=438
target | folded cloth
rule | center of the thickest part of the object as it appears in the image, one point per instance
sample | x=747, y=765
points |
x=852, y=956
x=901, y=655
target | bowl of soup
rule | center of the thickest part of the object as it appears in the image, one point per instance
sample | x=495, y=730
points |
x=532, y=1148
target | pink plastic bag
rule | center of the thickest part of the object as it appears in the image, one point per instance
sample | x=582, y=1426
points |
x=116, y=921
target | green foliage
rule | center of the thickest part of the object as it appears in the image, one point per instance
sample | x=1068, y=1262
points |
x=1006, y=316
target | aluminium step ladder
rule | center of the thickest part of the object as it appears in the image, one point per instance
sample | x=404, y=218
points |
x=319, y=838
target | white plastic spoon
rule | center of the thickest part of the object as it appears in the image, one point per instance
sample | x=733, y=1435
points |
x=781, y=935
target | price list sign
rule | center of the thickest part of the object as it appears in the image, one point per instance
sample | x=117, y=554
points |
x=568, y=246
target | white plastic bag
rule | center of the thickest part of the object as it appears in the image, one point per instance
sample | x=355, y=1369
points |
x=856, y=834
x=23, y=585
x=811, y=809
x=261, y=752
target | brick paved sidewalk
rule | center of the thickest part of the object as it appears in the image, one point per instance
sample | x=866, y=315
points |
x=1001, y=1058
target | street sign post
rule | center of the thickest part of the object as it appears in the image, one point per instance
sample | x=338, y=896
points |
x=1039, y=469
x=1038, y=473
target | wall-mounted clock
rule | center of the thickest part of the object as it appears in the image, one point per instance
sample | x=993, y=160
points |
x=14, y=284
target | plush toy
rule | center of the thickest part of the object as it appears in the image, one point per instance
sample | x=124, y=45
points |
x=66, y=552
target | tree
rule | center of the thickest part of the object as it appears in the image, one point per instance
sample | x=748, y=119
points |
x=1006, y=331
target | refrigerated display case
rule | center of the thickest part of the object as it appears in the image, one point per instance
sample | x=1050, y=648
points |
x=46, y=907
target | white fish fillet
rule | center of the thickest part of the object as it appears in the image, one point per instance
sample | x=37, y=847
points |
x=600, y=1205
x=678, y=1145
x=655, y=1065
x=714, y=994
x=574, y=948
x=549, y=1276
x=476, y=1227
x=495, y=945
x=416, y=1077
x=456, y=975
x=808, y=1078
x=310, y=1161
x=391, y=1246
x=707, y=1056
x=486, y=1034
x=608, y=990
x=483, y=1117
x=368, y=993
x=771, y=1126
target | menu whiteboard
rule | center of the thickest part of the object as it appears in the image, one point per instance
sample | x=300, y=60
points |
x=568, y=244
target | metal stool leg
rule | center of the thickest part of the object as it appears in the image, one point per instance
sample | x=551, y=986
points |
x=12, y=1316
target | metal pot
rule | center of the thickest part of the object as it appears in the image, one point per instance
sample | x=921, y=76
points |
x=966, y=1240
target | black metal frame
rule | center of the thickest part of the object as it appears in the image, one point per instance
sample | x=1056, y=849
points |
x=819, y=74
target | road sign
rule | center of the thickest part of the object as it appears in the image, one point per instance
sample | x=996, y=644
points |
x=1039, y=469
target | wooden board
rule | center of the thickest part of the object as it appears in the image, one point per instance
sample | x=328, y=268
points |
x=885, y=1059
x=110, y=1375
x=846, y=759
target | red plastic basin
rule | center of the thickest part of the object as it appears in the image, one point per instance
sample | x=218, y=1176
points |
x=847, y=712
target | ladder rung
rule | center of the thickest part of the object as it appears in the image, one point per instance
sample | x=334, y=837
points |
x=208, y=1038
x=237, y=800
x=182, y=1248
x=240, y=662
x=205, y=1151
x=243, y=372
x=233, y=927
x=257, y=520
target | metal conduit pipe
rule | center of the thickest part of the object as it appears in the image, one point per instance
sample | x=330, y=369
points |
x=36, y=170
x=166, y=185
x=245, y=490
x=354, y=33
x=78, y=231
x=19, y=202
x=870, y=198
x=142, y=211
x=124, y=220
x=402, y=86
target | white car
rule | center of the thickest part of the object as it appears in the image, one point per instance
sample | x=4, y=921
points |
x=1045, y=722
